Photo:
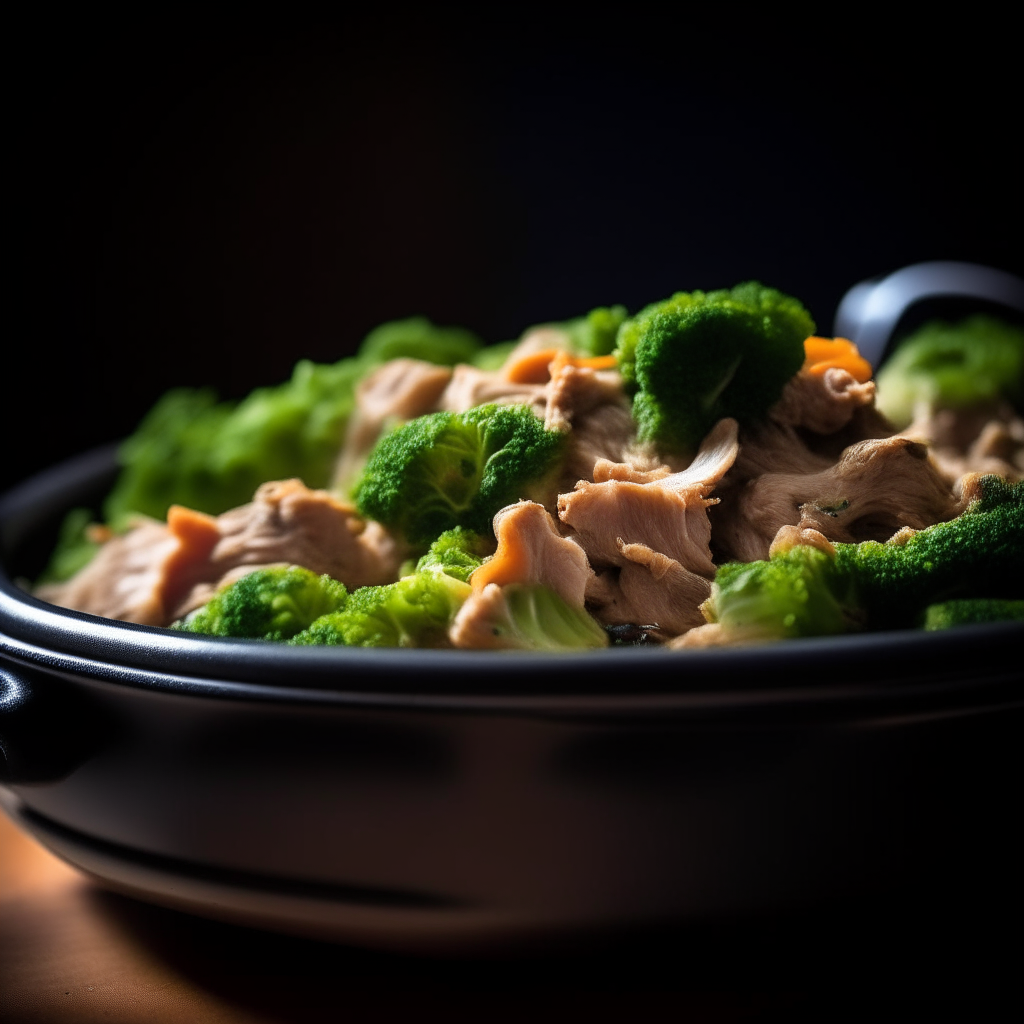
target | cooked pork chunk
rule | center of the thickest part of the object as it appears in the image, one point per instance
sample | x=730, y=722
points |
x=876, y=488
x=647, y=533
x=815, y=420
x=591, y=405
x=823, y=402
x=981, y=439
x=470, y=387
x=124, y=579
x=474, y=627
x=401, y=389
x=155, y=574
x=797, y=455
x=531, y=550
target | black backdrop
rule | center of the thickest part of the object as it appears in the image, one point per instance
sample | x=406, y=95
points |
x=206, y=205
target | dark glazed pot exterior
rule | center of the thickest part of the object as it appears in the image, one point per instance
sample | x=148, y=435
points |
x=438, y=800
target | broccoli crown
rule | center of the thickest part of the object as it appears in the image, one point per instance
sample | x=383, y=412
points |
x=953, y=366
x=457, y=553
x=806, y=592
x=414, y=612
x=595, y=333
x=457, y=469
x=790, y=595
x=418, y=338
x=969, y=612
x=268, y=604
x=699, y=357
x=978, y=554
x=538, y=619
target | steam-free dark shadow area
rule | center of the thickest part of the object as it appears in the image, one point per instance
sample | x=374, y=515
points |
x=834, y=965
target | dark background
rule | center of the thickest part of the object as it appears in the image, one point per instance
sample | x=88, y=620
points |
x=206, y=204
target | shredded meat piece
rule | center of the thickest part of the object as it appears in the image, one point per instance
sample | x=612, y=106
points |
x=823, y=402
x=821, y=460
x=877, y=487
x=981, y=439
x=649, y=532
x=575, y=390
x=815, y=420
x=532, y=551
x=123, y=580
x=400, y=389
x=155, y=574
x=288, y=522
x=591, y=405
x=474, y=625
x=470, y=387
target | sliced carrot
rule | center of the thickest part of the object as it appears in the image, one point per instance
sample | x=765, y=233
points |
x=532, y=368
x=536, y=368
x=196, y=530
x=597, y=362
x=510, y=563
x=822, y=354
x=197, y=535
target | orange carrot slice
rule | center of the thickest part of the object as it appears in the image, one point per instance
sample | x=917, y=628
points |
x=822, y=354
x=532, y=368
x=536, y=368
x=197, y=535
x=509, y=564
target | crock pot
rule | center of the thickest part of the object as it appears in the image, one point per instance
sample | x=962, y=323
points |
x=433, y=800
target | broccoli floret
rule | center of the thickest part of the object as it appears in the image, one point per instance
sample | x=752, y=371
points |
x=790, y=595
x=978, y=554
x=807, y=592
x=595, y=333
x=414, y=612
x=967, y=613
x=457, y=469
x=951, y=366
x=538, y=619
x=418, y=338
x=699, y=357
x=268, y=604
x=456, y=552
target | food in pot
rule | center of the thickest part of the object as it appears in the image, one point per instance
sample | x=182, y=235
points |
x=706, y=472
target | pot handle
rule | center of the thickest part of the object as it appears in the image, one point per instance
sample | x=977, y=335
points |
x=47, y=729
x=869, y=312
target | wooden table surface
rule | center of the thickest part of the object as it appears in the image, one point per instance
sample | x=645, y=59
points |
x=70, y=952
